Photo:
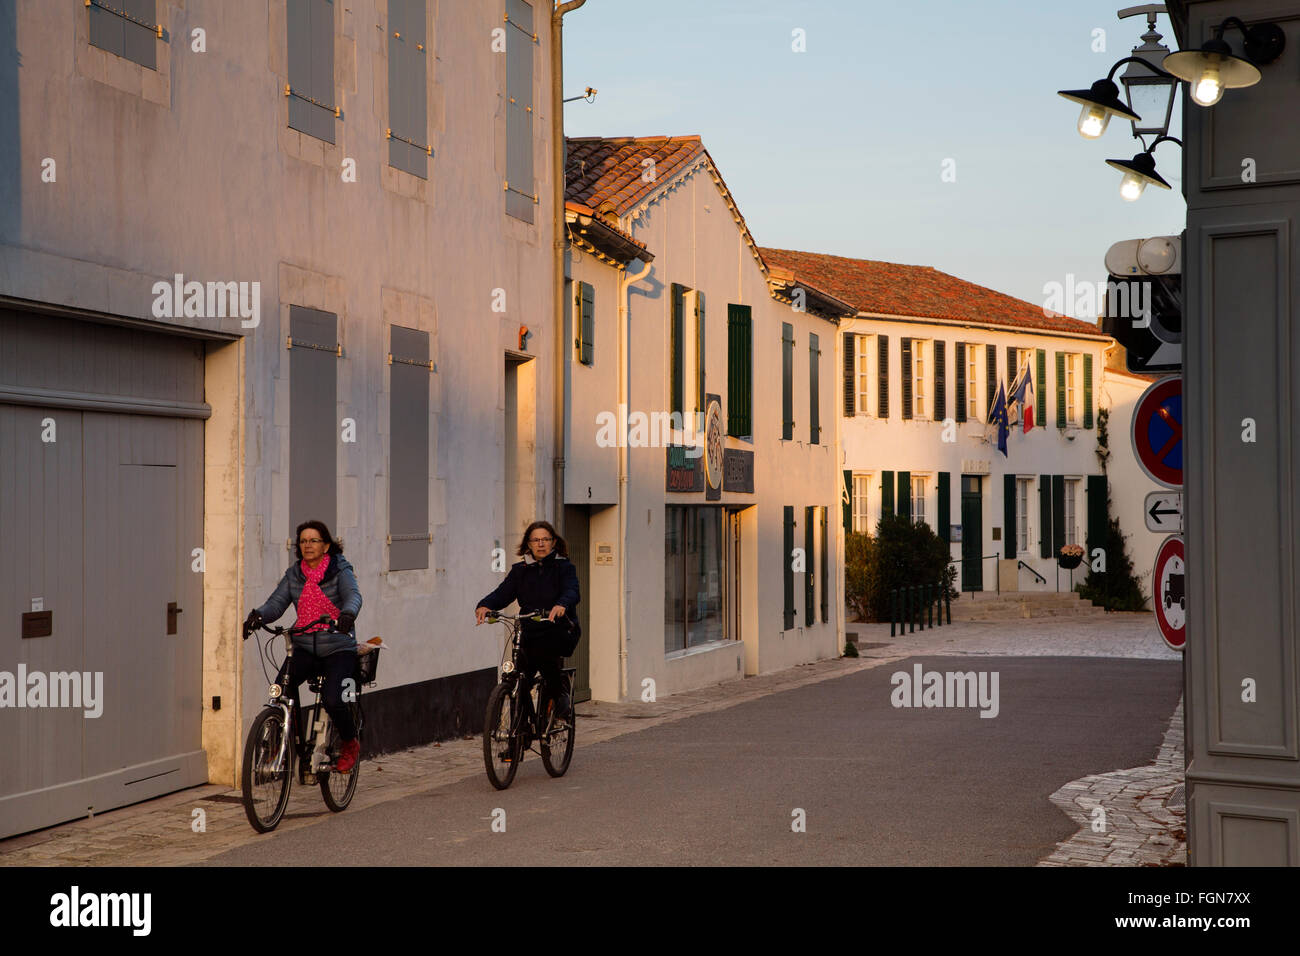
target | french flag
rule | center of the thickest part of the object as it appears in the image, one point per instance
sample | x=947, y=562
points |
x=1022, y=394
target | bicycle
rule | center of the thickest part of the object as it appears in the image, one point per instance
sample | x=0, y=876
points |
x=512, y=726
x=271, y=754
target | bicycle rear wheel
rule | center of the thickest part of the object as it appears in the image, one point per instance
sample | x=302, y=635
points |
x=266, y=789
x=501, y=750
x=557, y=743
x=338, y=788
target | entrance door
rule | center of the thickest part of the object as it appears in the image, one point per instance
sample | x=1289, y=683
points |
x=576, y=535
x=972, y=534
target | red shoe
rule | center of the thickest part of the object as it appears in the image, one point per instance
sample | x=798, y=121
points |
x=348, y=755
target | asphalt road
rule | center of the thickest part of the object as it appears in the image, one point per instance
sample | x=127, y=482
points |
x=878, y=785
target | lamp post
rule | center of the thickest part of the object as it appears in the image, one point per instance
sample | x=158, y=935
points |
x=1148, y=87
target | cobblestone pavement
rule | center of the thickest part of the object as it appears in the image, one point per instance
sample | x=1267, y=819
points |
x=1144, y=821
x=171, y=830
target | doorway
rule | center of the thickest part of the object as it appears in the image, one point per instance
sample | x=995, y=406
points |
x=577, y=535
x=972, y=533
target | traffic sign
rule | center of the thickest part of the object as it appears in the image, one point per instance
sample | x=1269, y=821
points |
x=1158, y=431
x=1163, y=511
x=1169, y=595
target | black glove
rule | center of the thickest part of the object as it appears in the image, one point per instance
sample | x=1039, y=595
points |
x=252, y=623
x=347, y=622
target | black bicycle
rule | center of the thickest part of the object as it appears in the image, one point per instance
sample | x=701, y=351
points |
x=278, y=744
x=513, y=724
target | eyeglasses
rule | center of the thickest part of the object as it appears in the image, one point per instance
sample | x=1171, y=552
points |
x=546, y=540
x=309, y=540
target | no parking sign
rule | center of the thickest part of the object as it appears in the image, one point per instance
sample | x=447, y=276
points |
x=1169, y=594
x=1158, y=431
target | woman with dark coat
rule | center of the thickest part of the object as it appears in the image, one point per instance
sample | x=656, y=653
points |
x=545, y=581
x=320, y=582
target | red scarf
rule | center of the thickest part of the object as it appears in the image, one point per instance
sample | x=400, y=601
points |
x=312, y=603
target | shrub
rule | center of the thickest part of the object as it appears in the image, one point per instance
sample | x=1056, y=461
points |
x=905, y=554
x=1117, y=589
x=858, y=572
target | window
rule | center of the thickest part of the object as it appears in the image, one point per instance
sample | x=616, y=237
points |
x=740, y=371
x=918, y=500
x=312, y=109
x=972, y=380
x=584, y=321
x=1022, y=514
x=861, y=508
x=1071, y=509
x=520, y=198
x=127, y=28
x=814, y=390
x=1071, y=389
x=863, y=387
x=1024, y=359
x=787, y=381
x=919, y=349
x=408, y=429
x=692, y=576
x=408, y=114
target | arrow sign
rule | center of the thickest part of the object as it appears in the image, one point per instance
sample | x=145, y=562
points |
x=1164, y=512
x=1157, y=433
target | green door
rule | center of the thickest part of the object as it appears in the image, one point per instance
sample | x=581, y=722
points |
x=972, y=534
x=576, y=534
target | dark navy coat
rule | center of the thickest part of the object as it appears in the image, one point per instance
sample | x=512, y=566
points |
x=539, y=586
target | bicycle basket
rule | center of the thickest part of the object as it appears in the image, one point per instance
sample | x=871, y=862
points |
x=367, y=662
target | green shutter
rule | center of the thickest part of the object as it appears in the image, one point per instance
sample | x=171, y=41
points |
x=585, y=319
x=788, y=541
x=810, y=567
x=1060, y=390
x=1087, y=391
x=850, y=379
x=1011, y=369
x=814, y=390
x=882, y=369
x=940, y=380
x=826, y=564
x=1045, y=511
x=944, y=517
x=906, y=370
x=787, y=380
x=886, y=493
x=699, y=351
x=905, y=494
x=847, y=501
x=1058, y=514
x=1040, y=391
x=1009, y=514
x=1098, y=518
x=991, y=385
x=959, y=356
x=675, y=385
x=739, y=370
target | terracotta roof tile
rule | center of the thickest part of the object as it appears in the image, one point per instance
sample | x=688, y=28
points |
x=920, y=291
x=599, y=168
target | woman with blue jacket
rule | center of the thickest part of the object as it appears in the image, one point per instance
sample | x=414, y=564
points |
x=320, y=582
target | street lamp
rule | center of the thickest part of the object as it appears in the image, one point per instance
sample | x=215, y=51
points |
x=1148, y=87
x=1100, y=102
x=1140, y=171
x=1213, y=68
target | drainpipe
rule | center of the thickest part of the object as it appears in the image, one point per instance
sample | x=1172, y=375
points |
x=624, y=388
x=557, y=223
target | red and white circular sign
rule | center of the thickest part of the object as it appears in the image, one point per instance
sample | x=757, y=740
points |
x=1168, y=585
x=1157, y=433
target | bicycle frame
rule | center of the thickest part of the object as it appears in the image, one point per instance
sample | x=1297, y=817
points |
x=525, y=712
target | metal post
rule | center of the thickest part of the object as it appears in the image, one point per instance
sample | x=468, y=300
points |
x=947, y=600
x=929, y=605
x=911, y=609
x=893, y=609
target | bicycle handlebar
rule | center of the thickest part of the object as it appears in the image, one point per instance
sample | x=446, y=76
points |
x=495, y=616
x=291, y=631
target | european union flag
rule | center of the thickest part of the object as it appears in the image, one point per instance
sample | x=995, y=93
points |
x=998, y=416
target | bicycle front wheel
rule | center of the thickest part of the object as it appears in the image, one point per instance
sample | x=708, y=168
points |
x=338, y=788
x=501, y=750
x=557, y=739
x=266, y=786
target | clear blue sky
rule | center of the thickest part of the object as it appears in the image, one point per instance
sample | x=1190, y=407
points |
x=840, y=149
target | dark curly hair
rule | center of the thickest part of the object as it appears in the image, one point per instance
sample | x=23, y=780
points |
x=559, y=547
x=335, y=547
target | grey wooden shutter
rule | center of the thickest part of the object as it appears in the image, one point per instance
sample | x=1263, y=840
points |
x=676, y=373
x=991, y=360
x=1098, y=516
x=787, y=380
x=407, y=87
x=826, y=564
x=906, y=369
x=959, y=356
x=940, y=380
x=787, y=558
x=886, y=493
x=519, y=110
x=699, y=350
x=810, y=565
x=1058, y=513
x=1087, y=391
x=408, y=431
x=584, y=312
x=1045, y=516
x=814, y=390
x=111, y=31
x=944, y=517
x=1009, y=514
x=850, y=379
x=311, y=67
x=882, y=376
x=905, y=494
x=1040, y=389
x=1060, y=390
x=314, y=427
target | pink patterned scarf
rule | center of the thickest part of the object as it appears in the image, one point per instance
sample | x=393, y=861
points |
x=312, y=603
